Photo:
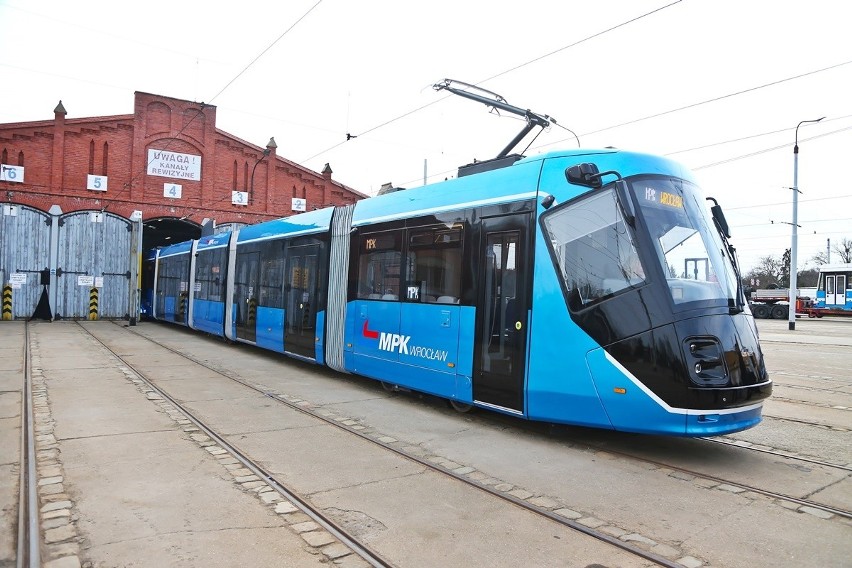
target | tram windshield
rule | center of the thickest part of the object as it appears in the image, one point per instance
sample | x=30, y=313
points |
x=688, y=247
x=594, y=249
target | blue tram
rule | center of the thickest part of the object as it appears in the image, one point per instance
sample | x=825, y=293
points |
x=834, y=290
x=587, y=287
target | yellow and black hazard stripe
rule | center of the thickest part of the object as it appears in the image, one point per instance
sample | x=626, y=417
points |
x=93, y=304
x=182, y=299
x=7, y=302
x=252, y=312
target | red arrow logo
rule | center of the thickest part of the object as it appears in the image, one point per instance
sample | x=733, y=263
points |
x=368, y=333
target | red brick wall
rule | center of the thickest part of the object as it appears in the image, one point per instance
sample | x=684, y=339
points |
x=60, y=153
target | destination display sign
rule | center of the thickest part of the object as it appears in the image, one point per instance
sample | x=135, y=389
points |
x=665, y=198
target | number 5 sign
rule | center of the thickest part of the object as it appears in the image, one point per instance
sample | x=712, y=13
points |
x=96, y=183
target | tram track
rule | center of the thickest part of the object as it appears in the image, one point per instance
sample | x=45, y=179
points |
x=837, y=392
x=29, y=534
x=733, y=483
x=732, y=443
x=746, y=487
x=738, y=445
x=780, y=454
x=298, y=406
x=804, y=422
x=358, y=547
x=840, y=390
x=810, y=403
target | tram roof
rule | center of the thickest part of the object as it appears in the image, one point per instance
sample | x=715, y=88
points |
x=836, y=267
x=511, y=183
x=311, y=222
x=507, y=184
x=177, y=248
x=214, y=241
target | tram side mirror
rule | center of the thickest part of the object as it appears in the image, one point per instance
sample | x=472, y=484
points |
x=584, y=174
x=719, y=218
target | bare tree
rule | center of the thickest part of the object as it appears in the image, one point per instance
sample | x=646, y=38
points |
x=768, y=271
x=844, y=249
x=820, y=258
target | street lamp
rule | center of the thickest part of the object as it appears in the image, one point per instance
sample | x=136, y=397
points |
x=794, y=244
x=269, y=146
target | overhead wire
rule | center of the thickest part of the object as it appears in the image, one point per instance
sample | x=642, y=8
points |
x=765, y=150
x=764, y=205
x=270, y=46
x=539, y=58
x=626, y=123
x=578, y=42
x=634, y=121
x=222, y=90
x=531, y=61
x=707, y=101
x=735, y=158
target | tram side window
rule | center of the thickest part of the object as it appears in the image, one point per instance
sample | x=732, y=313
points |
x=379, y=265
x=209, y=275
x=594, y=250
x=434, y=265
x=271, y=275
x=172, y=275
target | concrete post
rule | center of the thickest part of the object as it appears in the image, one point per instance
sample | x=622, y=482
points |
x=135, y=266
x=52, y=290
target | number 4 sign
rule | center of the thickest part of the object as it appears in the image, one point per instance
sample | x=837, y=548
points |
x=172, y=190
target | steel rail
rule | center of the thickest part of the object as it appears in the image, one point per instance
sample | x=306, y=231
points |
x=368, y=555
x=781, y=496
x=29, y=533
x=568, y=523
x=814, y=461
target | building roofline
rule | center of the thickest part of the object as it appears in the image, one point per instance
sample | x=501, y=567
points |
x=173, y=98
x=68, y=121
x=290, y=163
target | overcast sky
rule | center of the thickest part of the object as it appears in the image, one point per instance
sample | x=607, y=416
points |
x=719, y=85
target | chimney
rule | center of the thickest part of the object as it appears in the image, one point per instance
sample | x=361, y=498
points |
x=326, y=172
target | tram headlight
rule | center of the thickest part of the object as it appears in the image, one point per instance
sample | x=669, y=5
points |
x=706, y=360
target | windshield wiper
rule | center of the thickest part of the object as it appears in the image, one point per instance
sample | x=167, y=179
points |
x=722, y=227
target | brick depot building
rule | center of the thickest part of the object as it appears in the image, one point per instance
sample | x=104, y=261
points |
x=83, y=197
x=167, y=160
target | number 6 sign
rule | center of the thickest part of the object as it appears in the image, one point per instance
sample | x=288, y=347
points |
x=12, y=173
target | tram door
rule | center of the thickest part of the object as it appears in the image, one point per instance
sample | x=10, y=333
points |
x=173, y=288
x=246, y=289
x=502, y=307
x=301, y=300
x=835, y=290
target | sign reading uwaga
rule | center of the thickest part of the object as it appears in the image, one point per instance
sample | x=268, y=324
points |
x=174, y=165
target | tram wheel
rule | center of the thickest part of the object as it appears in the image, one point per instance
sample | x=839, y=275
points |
x=461, y=407
x=390, y=387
